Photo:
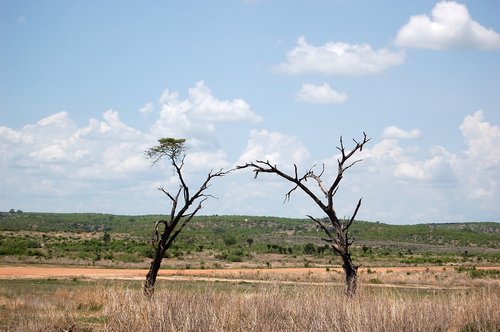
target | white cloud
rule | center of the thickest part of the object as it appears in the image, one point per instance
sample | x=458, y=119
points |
x=320, y=94
x=481, y=160
x=101, y=166
x=385, y=150
x=438, y=186
x=195, y=118
x=404, y=165
x=54, y=165
x=437, y=171
x=338, y=59
x=482, y=139
x=274, y=147
x=146, y=109
x=207, y=107
x=55, y=147
x=204, y=161
x=397, y=133
x=409, y=171
x=449, y=27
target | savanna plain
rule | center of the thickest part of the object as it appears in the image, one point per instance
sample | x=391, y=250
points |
x=236, y=273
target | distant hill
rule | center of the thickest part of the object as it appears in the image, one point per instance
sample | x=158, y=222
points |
x=59, y=234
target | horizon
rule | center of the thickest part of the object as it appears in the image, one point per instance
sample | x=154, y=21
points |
x=305, y=218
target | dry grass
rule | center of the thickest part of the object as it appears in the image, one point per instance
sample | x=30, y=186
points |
x=274, y=306
x=434, y=277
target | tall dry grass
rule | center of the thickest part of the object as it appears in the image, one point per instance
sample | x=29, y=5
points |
x=217, y=307
x=274, y=308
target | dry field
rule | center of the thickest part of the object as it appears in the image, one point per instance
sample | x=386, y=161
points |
x=389, y=299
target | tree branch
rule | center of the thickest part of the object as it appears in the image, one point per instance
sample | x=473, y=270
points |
x=184, y=223
x=265, y=167
x=322, y=226
x=346, y=227
x=338, y=235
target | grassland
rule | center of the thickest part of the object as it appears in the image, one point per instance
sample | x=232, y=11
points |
x=224, y=241
x=91, y=305
x=424, y=277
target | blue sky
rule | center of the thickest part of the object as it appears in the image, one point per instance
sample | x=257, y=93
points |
x=87, y=86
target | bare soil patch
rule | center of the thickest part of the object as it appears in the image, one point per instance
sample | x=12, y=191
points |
x=40, y=272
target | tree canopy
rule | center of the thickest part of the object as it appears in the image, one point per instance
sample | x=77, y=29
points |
x=173, y=148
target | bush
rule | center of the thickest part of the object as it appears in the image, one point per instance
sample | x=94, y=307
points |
x=236, y=256
x=475, y=273
x=229, y=240
x=18, y=247
x=309, y=249
x=375, y=281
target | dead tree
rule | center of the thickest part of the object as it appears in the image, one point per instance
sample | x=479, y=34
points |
x=185, y=204
x=336, y=230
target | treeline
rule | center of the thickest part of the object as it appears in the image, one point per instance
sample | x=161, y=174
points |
x=105, y=237
x=277, y=230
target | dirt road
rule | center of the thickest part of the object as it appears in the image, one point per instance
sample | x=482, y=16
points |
x=41, y=272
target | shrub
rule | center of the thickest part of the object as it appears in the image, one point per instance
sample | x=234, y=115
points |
x=309, y=249
x=229, y=240
x=375, y=281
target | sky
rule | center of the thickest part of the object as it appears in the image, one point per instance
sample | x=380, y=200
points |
x=87, y=86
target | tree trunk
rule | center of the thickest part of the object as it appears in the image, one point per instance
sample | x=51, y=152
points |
x=149, y=284
x=351, y=275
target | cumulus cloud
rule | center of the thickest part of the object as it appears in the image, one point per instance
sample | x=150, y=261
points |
x=482, y=139
x=100, y=167
x=196, y=117
x=437, y=170
x=96, y=166
x=206, y=107
x=320, y=94
x=54, y=146
x=450, y=26
x=385, y=150
x=274, y=147
x=203, y=161
x=394, y=132
x=146, y=109
x=434, y=184
x=55, y=160
x=482, y=158
x=338, y=59
x=405, y=165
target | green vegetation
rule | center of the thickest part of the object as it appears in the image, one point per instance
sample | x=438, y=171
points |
x=475, y=273
x=98, y=238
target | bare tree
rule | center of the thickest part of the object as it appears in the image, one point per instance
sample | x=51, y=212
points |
x=185, y=204
x=336, y=230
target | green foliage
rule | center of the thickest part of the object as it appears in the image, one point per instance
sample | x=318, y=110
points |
x=375, y=281
x=19, y=247
x=309, y=249
x=95, y=237
x=229, y=240
x=173, y=148
x=473, y=272
x=236, y=256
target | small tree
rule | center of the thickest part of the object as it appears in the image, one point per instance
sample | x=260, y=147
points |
x=229, y=240
x=250, y=241
x=185, y=204
x=337, y=230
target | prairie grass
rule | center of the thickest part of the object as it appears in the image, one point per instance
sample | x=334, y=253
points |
x=275, y=308
x=435, y=277
x=215, y=306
